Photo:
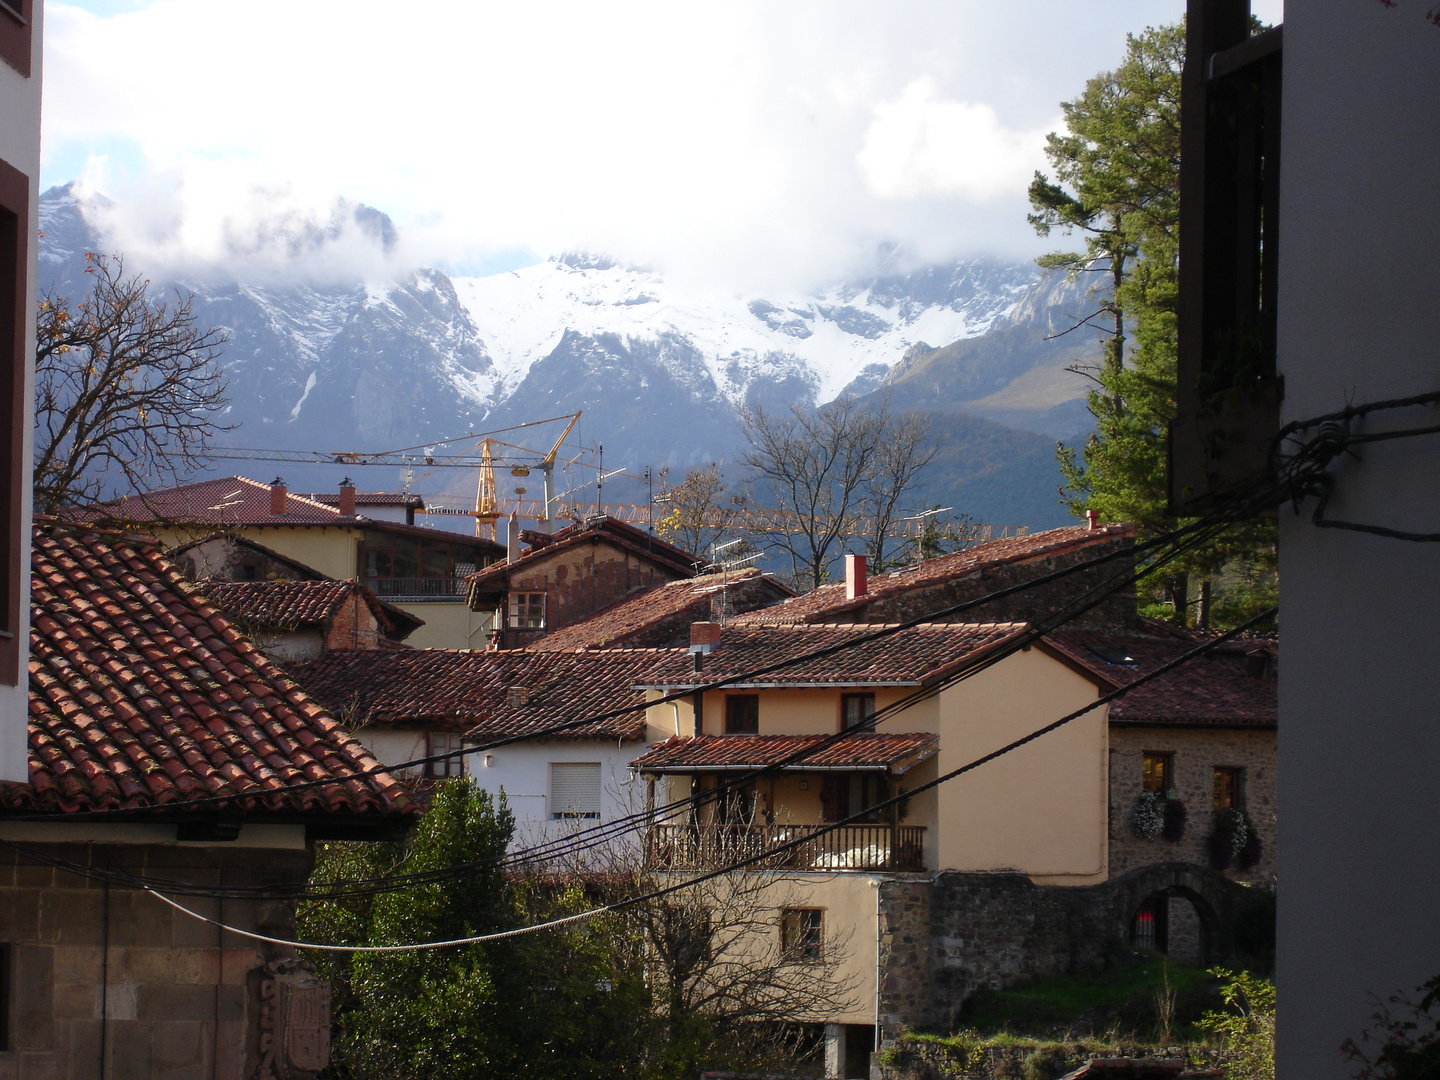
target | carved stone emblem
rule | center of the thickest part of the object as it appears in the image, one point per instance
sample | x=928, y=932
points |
x=294, y=1022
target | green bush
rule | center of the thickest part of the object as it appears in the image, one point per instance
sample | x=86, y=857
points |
x=1046, y=1062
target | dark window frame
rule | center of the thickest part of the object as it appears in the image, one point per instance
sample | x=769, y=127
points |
x=866, y=724
x=802, y=934
x=15, y=360
x=525, y=618
x=742, y=714
x=17, y=32
x=1167, y=770
x=1236, y=783
x=448, y=768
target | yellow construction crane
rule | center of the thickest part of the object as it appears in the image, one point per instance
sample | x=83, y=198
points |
x=488, y=507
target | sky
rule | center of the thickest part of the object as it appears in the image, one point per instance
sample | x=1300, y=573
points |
x=761, y=144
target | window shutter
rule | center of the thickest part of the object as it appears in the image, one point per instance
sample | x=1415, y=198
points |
x=574, y=789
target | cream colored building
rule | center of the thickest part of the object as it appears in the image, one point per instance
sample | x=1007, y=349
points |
x=421, y=570
x=922, y=702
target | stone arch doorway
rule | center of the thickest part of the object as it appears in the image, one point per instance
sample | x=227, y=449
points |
x=1177, y=922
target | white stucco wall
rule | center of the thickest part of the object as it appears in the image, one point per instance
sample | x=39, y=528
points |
x=523, y=772
x=20, y=148
x=1359, y=887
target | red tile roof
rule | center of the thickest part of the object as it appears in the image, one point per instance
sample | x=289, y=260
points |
x=828, y=602
x=907, y=657
x=499, y=694
x=237, y=501
x=370, y=498
x=893, y=752
x=1212, y=690
x=595, y=530
x=143, y=695
x=663, y=612
x=289, y=605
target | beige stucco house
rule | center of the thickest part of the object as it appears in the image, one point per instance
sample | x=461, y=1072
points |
x=421, y=570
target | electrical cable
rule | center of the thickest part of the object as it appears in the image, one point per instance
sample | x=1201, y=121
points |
x=943, y=614
x=612, y=829
x=770, y=853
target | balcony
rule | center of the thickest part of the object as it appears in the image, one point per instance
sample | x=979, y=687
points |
x=849, y=847
x=417, y=588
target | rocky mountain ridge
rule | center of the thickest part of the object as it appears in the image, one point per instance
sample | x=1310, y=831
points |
x=659, y=369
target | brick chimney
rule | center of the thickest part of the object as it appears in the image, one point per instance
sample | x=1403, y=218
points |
x=1092, y=517
x=347, y=497
x=278, y=491
x=855, y=579
x=704, y=637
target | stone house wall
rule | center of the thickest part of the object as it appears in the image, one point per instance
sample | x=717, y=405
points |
x=1197, y=751
x=353, y=626
x=579, y=580
x=180, y=999
x=1116, y=614
x=942, y=939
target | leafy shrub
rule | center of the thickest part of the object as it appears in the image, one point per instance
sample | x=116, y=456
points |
x=1148, y=817
x=1247, y=1024
x=1046, y=1062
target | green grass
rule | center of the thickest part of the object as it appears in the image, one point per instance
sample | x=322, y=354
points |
x=1116, y=998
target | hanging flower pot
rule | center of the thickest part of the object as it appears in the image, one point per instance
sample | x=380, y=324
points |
x=1147, y=819
x=1174, y=829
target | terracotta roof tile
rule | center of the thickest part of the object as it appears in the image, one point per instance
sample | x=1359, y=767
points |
x=237, y=502
x=892, y=751
x=289, y=605
x=142, y=694
x=663, y=612
x=829, y=601
x=1214, y=689
x=906, y=658
x=498, y=694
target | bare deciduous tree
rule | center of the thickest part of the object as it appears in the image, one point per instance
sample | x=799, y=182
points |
x=127, y=391
x=829, y=464
x=696, y=514
x=905, y=450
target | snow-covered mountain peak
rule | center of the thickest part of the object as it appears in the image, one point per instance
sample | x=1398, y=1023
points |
x=827, y=339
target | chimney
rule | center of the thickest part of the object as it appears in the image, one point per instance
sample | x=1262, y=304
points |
x=855, y=582
x=347, y=497
x=704, y=637
x=278, y=491
x=512, y=538
x=1093, y=517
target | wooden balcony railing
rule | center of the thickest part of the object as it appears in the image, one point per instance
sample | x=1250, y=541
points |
x=850, y=847
x=414, y=588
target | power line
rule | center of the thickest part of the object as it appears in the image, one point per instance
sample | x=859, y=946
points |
x=767, y=855
x=604, y=834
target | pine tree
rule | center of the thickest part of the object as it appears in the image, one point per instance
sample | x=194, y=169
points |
x=1117, y=177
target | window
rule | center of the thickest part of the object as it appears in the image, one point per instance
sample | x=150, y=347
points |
x=574, y=789
x=443, y=742
x=1227, y=788
x=16, y=351
x=527, y=611
x=801, y=935
x=742, y=714
x=15, y=19
x=1157, y=773
x=855, y=710
x=844, y=794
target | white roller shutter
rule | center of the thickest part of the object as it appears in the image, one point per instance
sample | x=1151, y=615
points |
x=574, y=789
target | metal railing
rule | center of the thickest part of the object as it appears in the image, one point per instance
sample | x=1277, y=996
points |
x=436, y=588
x=850, y=847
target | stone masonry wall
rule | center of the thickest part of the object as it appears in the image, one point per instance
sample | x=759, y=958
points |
x=1115, y=615
x=180, y=998
x=1197, y=751
x=992, y=930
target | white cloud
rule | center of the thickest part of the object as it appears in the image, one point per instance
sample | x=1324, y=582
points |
x=748, y=142
x=922, y=143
